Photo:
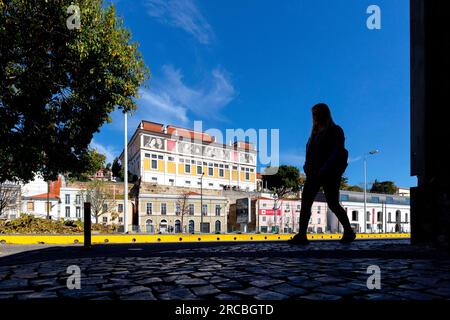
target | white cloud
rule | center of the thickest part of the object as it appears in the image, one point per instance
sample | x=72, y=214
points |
x=170, y=100
x=355, y=159
x=160, y=108
x=183, y=14
x=109, y=151
x=205, y=100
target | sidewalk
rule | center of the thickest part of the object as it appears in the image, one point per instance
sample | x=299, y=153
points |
x=324, y=270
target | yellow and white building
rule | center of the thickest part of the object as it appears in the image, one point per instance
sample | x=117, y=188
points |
x=173, y=156
x=182, y=213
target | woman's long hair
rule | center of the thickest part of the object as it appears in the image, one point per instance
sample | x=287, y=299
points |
x=324, y=117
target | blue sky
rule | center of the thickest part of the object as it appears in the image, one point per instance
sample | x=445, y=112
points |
x=263, y=64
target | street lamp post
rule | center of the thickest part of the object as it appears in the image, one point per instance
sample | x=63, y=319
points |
x=125, y=175
x=201, y=201
x=365, y=187
x=275, y=196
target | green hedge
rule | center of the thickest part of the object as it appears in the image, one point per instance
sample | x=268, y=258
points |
x=29, y=224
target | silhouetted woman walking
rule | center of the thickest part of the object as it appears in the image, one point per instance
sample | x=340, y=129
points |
x=326, y=161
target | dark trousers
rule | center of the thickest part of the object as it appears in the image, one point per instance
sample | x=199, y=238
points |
x=331, y=188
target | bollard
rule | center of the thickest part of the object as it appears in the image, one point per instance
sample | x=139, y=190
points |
x=87, y=225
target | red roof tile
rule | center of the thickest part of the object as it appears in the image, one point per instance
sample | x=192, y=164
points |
x=44, y=196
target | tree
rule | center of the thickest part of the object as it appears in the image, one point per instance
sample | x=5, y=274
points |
x=355, y=188
x=58, y=85
x=302, y=180
x=9, y=196
x=344, y=183
x=386, y=187
x=95, y=161
x=345, y=186
x=98, y=194
x=117, y=169
x=285, y=181
x=182, y=207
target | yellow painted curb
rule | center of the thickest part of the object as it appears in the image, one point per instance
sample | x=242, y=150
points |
x=155, y=238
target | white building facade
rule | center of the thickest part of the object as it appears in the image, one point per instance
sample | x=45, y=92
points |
x=174, y=156
x=163, y=213
x=284, y=215
x=384, y=213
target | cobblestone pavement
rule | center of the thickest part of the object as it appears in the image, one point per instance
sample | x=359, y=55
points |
x=261, y=271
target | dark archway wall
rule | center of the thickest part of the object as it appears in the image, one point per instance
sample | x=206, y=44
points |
x=430, y=126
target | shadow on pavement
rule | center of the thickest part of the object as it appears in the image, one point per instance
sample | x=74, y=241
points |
x=318, y=249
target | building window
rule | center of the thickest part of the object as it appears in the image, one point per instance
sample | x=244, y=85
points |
x=379, y=216
x=191, y=226
x=210, y=171
x=120, y=207
x=368, y=216
x=188, y=182
x=247, y=175
x=191, y=209
x=105, y=207
x=199, y=169
x=318, y=220
x=149, y=208
x=204, y=209
x=354, y=215
x=177, y=209
x=344, y=197
x=78, y=212
x=221, y=173
x=218, y=226
x=163, y=208
x=218, y=209
x=154, y=164
x=171, y=159
x=67, y=198
x=30, y=206
x=105, y=219
x=77, y=199
x=389, y=217
x=406, y=217
x=67, y=212
x=120, y=220
x=187, y=168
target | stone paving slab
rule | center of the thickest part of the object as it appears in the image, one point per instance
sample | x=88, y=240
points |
x=241, y=271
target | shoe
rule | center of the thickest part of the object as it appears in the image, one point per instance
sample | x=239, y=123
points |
x=299, y=239
x=348, y=237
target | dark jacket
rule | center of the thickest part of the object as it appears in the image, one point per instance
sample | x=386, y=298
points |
x=326, y=153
